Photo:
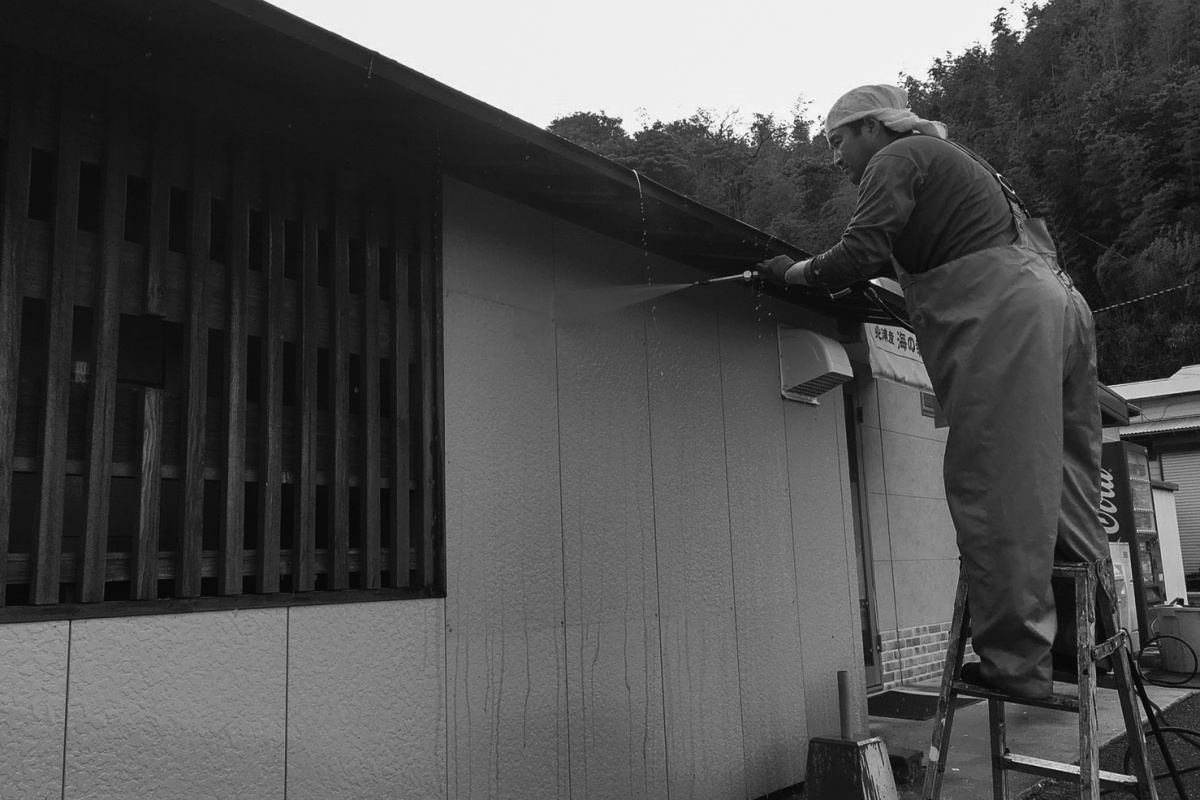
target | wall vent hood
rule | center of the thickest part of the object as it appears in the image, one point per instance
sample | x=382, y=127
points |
x=810, y=364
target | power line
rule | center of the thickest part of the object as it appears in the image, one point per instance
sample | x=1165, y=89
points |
x=1183, y=285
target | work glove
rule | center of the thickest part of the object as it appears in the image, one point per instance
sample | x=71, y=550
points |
x=784, y=271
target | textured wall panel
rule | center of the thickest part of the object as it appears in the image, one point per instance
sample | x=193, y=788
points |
x=922, y=528
x=504, y=611
x=33, y=661
x=184, y=706
x=704, y=727
x=770, y=655
x=914, y=465
x=877, y=522
x=614, y=664
x=900, y=410
x=912, y=536
x=925, y=591
x=826, y=573
x=885, y=596
x=876, y=473
x=504, y=256
x=366, y=701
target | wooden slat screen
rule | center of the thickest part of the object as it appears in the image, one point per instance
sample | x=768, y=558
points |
x=208, y=343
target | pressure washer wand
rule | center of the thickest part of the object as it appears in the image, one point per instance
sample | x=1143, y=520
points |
x=746, y=276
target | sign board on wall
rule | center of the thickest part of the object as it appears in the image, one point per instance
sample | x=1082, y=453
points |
x=894, y=355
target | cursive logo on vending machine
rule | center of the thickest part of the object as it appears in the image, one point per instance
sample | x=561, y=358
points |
x=1108, y=509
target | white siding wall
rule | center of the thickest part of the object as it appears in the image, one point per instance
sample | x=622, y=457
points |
x=33, y=709
x=689, y=523
x=650, y=577
x=343, y=701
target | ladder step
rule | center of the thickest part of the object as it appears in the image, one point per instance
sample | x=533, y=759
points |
x=1072, y=570
x=1055, y=769
x=1107, y=648
x=1056, y=701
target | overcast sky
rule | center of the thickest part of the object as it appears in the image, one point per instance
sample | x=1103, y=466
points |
x=648, y=60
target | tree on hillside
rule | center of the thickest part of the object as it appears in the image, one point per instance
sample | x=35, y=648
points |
x=1090, y=109
x=1091, y=112
x=599, y=133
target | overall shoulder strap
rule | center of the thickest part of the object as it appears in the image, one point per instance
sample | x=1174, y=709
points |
x=1014, y=202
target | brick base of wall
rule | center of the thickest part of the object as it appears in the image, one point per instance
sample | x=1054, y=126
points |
x=913, y=655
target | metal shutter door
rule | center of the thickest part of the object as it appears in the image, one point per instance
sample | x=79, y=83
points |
x=1184, y=469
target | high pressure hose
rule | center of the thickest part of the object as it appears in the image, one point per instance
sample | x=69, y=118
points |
x=1153, y=713
x=1158, y=731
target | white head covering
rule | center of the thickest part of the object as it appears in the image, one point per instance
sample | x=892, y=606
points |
x=888, y=104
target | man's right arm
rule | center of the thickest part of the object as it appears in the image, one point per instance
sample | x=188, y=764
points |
x=886, y=198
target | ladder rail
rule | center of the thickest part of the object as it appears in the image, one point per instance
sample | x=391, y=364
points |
x=1085, y=670
x=1095, y=607
x=944, y=716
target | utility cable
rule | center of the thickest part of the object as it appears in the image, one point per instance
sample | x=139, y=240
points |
x=1183, y=285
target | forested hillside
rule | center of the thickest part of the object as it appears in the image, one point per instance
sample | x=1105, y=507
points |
x=1091, y=109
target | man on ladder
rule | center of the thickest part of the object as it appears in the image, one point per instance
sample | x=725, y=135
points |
x=1009, y=346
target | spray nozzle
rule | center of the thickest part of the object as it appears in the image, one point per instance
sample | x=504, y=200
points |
x=746, y=276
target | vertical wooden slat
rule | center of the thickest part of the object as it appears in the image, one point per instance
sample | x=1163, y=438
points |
x=339, y=577
x=270, y=472
x=105, y=337
x=306, y=484
x=431, y=378
x=59, y=328
x=145, y=553
x=233, y=480
x=159, y=228
x=399, y=540
x=191, y=527
x=12, y=248
x=368, y=470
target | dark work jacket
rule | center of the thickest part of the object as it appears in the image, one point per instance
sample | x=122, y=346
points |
x=922, y=200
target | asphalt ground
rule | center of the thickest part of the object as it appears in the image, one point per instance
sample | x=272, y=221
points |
x=1180, y=726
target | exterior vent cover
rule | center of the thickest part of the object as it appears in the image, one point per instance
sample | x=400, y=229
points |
x=810, y=365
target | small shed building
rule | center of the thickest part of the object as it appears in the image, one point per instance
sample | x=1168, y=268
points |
x=348, y=459
x=1168, y=425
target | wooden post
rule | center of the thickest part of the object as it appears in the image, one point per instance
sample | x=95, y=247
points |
x=339, y=534
x=368, y=471
x=304, y=563
x=270, y=404
x=195, y=394
x=12, y=247
x=145, y=554
x=106, y=338
x=399, y=540
x=232, y=536
x=59, y=332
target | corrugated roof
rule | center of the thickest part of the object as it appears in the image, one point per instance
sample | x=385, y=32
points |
x=1185, y=381
x=1161, y=425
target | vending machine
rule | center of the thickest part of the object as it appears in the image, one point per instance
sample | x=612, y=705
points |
x=1127, y=513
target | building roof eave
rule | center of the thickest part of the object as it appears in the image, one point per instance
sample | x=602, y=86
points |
x=253, y=47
